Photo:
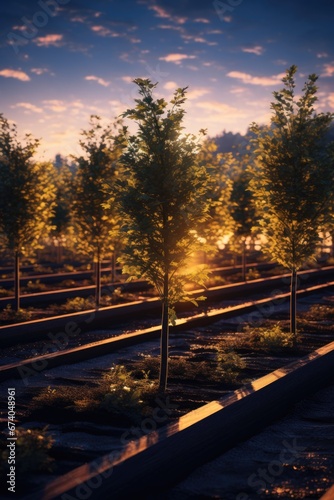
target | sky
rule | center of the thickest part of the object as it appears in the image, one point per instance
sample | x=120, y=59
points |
x=64, y=60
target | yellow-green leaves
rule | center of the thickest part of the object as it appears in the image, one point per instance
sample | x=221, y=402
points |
x=164, y=196
x=27, y=193
x=294, y=176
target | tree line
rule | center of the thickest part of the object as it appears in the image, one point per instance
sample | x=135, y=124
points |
x=156, y=196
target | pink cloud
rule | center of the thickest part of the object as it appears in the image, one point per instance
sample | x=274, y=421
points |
x=258, y=50
x=46, y=41
x=97, y=79
x=13, y=73
x=256, y=80
x=28, y=106
x=176, y=58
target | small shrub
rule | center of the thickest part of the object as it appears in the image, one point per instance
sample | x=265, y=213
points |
x=32, y=452
x=320, y=312
x=270, y=337
x=105, y=279
x=8, y=315
x=127, y=396
x=68, y=268
x=147, y=367
x=216, y=281
x=67, y=283
x=49, y=397
x=5, y=293
x=78, y=304
x=253, y=274
x=35, y=286
x=62, y=402
x=230, y=364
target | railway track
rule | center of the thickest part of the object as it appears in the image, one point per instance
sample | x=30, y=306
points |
x=61, y=295
x=60, y=354
x=58, y=277
x=55, y=277
x=111, y=316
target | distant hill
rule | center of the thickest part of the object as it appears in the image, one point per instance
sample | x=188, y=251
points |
x=229, y=142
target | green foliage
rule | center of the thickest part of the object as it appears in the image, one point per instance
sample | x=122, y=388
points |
x=77, y=304
x=226, y=368
x=162, y=195
x=94, y=210
x=293, y=179
x=253, y=274
x=270, y=337
x=321, y=312
x=229, y=366
x=218, y=165
x=35, y=286
x=163, y=199
x=243, y=209
x=5, y=293
x=32, y=452
x=8, y=315
x=27, y=195
x=65, y=397
x=63, y=231
x=127, y=396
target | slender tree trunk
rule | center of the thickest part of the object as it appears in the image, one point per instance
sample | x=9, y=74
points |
x=59, y=252
x=98, y=280
x=332, y=244
x=243, y=261
x=164, y=339
x=113, y=267
x=17, y=281
x=293, y=304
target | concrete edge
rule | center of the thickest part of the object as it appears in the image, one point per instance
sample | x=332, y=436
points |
x=11, y=334
x=163, y=457
x=329, y=495
x=33, y=366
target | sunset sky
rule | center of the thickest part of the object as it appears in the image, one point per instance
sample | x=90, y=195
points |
x=63, y=60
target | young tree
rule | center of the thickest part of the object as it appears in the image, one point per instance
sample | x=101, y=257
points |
x=62, y=225
x=219, y=223
x=94, y=210
x=243, y=209
x=26, y=196
x=293, y=180
x=163, y=199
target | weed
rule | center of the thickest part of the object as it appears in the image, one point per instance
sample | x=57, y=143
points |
x=67, y=283
x=35, y=286
x=253, y=274
x=272, y=338
x=6, y=293
x=8, y=315
x=127, y=396
x=230, y=364
x=77, y=304
x=321, y=312
x=32, y=452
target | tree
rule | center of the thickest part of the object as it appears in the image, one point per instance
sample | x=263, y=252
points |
x=26, y=196
x=62, y=229
x=218, y=165
x=293, y=181
x=163, y=199
x=243, y=209
x=94, y=211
